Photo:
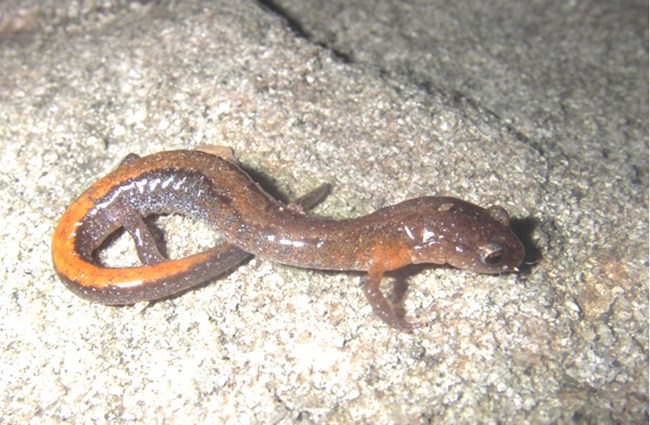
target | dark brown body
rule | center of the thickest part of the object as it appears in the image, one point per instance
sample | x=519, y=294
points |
x=196, y=184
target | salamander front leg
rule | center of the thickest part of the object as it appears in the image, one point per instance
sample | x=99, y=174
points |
x=310, y=200
x=378, y=302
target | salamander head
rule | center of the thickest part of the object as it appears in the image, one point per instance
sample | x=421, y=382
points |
x=455, y=232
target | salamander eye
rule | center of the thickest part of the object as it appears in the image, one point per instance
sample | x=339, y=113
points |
x=499, y=214
x=492, y=254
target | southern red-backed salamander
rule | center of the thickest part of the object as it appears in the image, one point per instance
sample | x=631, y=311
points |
x=438, y=230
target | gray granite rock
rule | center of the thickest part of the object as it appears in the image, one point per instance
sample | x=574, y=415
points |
x=542, y=108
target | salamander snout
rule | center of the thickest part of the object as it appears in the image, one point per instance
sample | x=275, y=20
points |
x=490, y=247
x=502, y=255
x=466, y=236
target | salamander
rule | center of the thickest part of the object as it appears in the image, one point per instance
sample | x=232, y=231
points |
x=214, y=189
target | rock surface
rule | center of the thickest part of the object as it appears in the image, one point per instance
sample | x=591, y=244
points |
x=541, y=108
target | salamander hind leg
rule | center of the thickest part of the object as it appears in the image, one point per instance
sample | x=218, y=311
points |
x=380, y=306
x=129, y=158
x=145, y=244
x=223, y=152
